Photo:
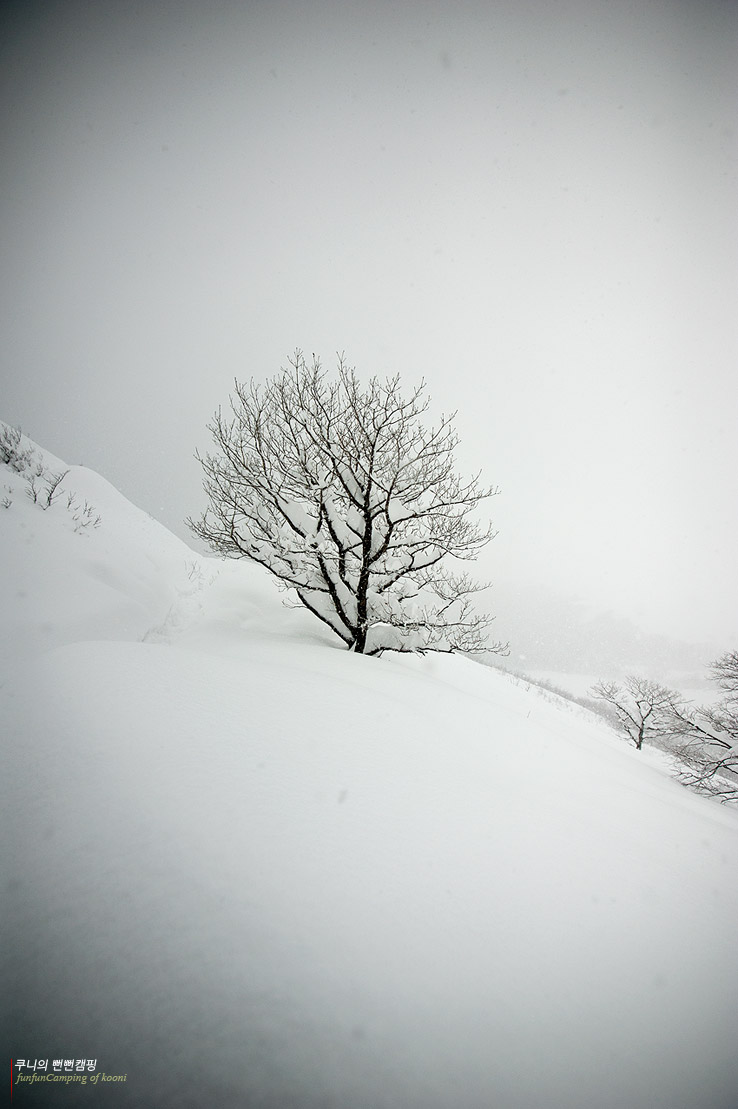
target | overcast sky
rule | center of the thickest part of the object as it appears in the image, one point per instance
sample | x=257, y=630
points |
x=532, y=204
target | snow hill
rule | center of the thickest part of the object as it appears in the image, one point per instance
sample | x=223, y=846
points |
x=246, y=868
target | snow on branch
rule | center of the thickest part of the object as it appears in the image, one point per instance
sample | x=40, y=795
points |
x=337, y=488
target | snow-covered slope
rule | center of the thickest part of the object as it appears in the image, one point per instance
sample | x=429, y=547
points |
x=66, y=580
x=247, y=868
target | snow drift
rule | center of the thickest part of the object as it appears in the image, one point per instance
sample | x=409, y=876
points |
x=247, y=868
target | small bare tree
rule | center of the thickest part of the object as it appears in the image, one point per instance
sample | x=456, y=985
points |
x=341, y=493
x=643, y=709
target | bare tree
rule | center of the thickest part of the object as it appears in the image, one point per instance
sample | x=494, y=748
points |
x=643, y=709
x=707, y=744
x=703, y=740
x=341, y=493
x=707, y=764
x=724, y=671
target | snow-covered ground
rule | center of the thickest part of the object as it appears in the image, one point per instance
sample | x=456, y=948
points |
x=247, y=868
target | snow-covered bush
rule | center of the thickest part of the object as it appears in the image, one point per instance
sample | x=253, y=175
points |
x=43, y=486
x=83, y=516
x=339, y=491
x=12, y=451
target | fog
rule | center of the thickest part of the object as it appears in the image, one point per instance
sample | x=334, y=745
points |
x=532, y=206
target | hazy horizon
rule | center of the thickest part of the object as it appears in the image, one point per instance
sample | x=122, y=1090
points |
x=531, y=206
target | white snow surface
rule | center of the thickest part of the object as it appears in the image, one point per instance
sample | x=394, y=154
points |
x=247, y=868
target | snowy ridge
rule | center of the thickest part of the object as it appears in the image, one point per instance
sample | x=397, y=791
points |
x=248, y=868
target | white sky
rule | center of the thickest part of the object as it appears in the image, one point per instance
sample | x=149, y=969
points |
x=533, y=205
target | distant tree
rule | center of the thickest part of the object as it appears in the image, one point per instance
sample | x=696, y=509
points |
x=707, y=764
x=703, y=740
x=724, y=671
x=643, y=709
x=341, y=493
x=707, y=743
